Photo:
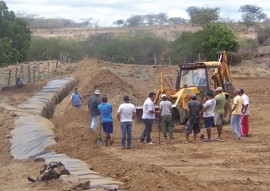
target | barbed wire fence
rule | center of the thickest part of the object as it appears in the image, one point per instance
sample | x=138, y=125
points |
x=27, y=72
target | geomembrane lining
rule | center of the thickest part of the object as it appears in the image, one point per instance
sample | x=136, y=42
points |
x=33, y=132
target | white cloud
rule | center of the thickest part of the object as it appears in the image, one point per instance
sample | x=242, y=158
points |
x=107, y=11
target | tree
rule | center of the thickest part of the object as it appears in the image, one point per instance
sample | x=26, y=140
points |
x=207, y=42
x=87, y=22
x=15, y=37
x=176, y=21
x=119, y=22
x=150, y=19
x=214, y=38
x=161, y=18
x=136, y=20
x=251, y=14
x=202, y=15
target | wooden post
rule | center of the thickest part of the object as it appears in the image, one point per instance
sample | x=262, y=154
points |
x=48, y=69
x=34, y=75
x=22, y=74
x=44, y=73
x=38, y=72
x=9, y=76
x=29, y=74
x=16, y=74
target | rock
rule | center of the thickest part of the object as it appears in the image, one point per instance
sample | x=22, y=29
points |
x=39, y=160
x=84, y=139
x=9, y=136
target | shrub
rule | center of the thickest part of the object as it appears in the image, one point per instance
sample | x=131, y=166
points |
x=136, y=48
x=263, y=36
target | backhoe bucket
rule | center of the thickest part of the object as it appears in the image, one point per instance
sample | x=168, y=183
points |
x=139, y=113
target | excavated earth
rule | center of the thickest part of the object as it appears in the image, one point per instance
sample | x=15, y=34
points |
x=229, y=165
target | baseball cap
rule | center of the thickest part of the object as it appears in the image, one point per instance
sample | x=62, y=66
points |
x=193, y=97
x=219, y=89
x=97, y=92
x=163, y=96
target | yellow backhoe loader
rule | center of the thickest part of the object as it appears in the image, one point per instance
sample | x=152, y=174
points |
x=196, y=78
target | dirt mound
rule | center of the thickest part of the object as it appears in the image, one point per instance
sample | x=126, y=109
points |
x=113, y=87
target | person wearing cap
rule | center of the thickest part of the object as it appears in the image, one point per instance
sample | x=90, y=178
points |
x=93, y=109
x=165, y=107
x=125, y=114
x=149, y=116
x=105, y=110
x=245, y=114
x=194, y=108
x=219, y=111
x=236, y=113
x=208, y=112
x=76, y=98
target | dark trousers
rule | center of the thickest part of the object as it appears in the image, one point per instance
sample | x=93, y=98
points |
x=148, y=123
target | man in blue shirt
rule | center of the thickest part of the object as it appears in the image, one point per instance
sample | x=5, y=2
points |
x=105, y=110
x=76, y=98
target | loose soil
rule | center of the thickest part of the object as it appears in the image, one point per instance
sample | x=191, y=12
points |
x=230, y=165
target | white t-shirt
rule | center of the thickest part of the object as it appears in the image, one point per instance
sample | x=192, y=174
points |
x=148, y=106
x=165, y=107
x=246, y=102
x=210, y=108
x=126, y=111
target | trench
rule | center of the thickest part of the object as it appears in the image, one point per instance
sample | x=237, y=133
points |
x=33, y=132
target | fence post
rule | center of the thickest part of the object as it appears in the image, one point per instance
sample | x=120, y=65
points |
x=38, y=72
x=34, y=75
x=22, y=73
x=9, y=76
x=48, y=69
x=29, y=74
x=16, y=74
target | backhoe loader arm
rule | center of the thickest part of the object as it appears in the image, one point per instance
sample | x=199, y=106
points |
x=222, y=75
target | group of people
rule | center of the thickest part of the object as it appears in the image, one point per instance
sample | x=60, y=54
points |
x=125, y=114
x=211, y=109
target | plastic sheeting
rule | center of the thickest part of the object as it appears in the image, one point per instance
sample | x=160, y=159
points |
x=34, y=132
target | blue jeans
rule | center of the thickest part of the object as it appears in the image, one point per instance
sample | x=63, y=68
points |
x=235, y=124
x=148, y=123
x=126, y=128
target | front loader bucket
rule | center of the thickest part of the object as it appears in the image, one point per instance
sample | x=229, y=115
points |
x=139, y=113
x=179, y=115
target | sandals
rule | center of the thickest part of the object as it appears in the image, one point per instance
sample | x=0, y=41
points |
x=185, y=142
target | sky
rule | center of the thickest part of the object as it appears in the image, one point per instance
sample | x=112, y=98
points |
x=105, y=12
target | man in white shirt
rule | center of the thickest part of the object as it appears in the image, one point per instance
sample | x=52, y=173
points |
x=126, y=113
x=245, y=114
x=209, y=112
x=149, y=116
